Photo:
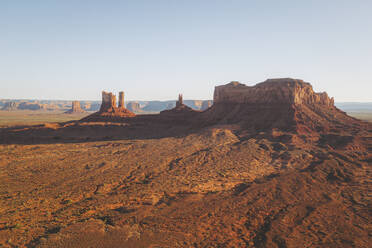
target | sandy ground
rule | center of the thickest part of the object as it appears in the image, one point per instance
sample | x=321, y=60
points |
x=147, y=182
x=29, y=117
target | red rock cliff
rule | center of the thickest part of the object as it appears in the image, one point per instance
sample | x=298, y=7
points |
x=108, y=101
x=76, y=108
x=121, y=100
x=272, y=91
x=285, y=104
x=109, y=111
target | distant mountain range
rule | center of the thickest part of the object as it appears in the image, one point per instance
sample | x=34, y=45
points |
x=144, y=106
x=355, y=106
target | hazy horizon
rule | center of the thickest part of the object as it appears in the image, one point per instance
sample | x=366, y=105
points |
x=69, y=50
x=151, y=100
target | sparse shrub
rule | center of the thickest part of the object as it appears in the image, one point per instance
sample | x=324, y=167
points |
x=66, y=201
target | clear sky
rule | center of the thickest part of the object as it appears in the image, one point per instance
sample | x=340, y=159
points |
x=155, y=49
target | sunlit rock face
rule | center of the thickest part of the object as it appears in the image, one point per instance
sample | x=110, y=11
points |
x=76, y=108
x=108, y=101
x=109, y=110
x=272, y=91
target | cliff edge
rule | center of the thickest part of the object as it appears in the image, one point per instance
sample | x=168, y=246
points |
x=272, y=91
x=285, y=104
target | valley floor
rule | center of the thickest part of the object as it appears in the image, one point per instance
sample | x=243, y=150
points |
x=30, y=117
x=34, y=117
x=204, y=189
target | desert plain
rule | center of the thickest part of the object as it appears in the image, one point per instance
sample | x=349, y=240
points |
x=279, y=167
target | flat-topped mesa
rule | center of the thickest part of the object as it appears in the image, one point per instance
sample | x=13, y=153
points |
x=134, y=107
x=10, y=106
x=272, y=91
x=76, y=108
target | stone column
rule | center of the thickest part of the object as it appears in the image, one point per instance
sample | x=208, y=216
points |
x=121, y=100
x=76, y=106
x=180, y=100
x=108, y=101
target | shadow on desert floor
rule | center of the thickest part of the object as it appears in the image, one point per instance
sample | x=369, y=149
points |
x=77, y=132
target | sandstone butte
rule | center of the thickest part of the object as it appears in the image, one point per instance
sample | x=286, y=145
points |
x=75, y=108
x=109, y=110
x=287, y=104
x=179, y=110
x=271, y=92
x=283, y=104
x=10, y=106
x=134, y=107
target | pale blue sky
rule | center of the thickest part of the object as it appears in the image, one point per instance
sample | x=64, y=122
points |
x=153, y=50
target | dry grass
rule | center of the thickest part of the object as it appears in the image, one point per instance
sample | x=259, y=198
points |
x=365, y=116
x=29, y=117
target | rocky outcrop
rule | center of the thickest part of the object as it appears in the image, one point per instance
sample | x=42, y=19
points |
x=94, y=107
x=206, y=105
x=108, y=102
x=180, y=110
x=272, y=91
x=32, y=106
x=180, y=101
x=10, y=106
x=134, y=107
x=109, y=110
x=157, y=106
x=76, y=108
x=25, y=105
x=121, y=100
x=285, y=104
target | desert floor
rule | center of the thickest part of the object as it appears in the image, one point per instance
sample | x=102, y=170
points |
x=205, y=188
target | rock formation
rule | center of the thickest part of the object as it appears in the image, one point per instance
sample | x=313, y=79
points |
x=157, y=106
x=94, y=107
x=180, y=101
x=272, y=91
x=75, y=108
x=10, y=106
x=180, y=110
x=279, y=105
x=272, y=165
x=108, y=102
x=284, y=104
x=109, y=110
x=108, y=106
x=134, y=107
x=206, y=105
x=121, y=100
